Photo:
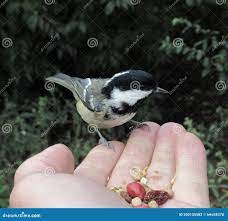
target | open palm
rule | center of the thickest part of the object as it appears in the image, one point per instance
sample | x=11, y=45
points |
x=49, y=179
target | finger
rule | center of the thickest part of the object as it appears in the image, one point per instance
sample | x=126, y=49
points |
x=62, y=191
x=55, y=159
x=138, y=152
x=191, y=183
x=100, y=162
x=162, y=167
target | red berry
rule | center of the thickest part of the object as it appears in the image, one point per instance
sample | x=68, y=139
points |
x=159, y=196
x=135, y=189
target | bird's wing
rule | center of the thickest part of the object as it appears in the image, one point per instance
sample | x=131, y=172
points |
x=87, y=90
x=91, y=90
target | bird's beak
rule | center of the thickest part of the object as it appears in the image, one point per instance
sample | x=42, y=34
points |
x=161, y=90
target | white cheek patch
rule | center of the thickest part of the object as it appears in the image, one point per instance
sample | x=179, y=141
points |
x=130, y=97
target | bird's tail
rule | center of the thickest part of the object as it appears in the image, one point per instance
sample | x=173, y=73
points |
x=64, y=80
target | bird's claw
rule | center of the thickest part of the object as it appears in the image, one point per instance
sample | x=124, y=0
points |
x=106, y=143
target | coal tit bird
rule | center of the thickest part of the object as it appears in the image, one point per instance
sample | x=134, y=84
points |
x=109, y=102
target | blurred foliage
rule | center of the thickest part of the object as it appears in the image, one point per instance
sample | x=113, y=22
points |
x=51, y=38
x=209, y=50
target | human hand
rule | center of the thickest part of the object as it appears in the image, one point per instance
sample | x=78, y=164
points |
x=49, y=178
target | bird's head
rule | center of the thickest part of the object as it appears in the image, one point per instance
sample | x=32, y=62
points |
x=126, y=90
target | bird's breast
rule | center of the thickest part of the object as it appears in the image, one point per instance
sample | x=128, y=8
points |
x=98, y=118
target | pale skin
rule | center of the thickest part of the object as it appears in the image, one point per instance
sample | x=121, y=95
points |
x=50, y=179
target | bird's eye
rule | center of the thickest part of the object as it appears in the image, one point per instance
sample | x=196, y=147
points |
x=106, y=117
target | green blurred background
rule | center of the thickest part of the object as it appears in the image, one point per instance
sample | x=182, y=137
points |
x=183, y=43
